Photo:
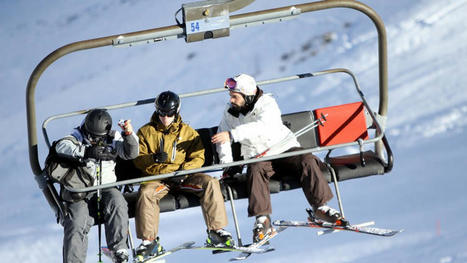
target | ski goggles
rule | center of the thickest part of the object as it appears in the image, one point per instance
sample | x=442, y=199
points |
x=231, y=85
x=170, y=113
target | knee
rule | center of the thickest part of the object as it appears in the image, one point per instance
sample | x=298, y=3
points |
x=152, y=192
x=117, y=202
x=77, y=224
x=259, y=171
x=255, y=169
x=209, y=182
x=308, y=160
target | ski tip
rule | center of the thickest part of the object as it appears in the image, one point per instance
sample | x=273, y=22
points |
x=277, y=222
x=189, y=244
x=399, y=231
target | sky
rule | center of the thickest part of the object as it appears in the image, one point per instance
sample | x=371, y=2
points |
x=426, y=124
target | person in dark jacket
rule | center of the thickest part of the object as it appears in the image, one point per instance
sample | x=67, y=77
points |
x=95, y=146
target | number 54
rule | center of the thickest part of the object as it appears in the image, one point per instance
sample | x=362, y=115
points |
x=194, y=26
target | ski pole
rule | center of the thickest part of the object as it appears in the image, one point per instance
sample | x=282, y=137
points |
x=130, y=241
x=99, y=180
x=314, y=124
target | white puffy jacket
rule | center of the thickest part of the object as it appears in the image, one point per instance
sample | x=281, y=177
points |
x=127, y=148
x=258, y=131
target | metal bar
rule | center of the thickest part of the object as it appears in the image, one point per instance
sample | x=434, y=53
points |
x=216, y=90
x=336, y=186
x=131, y=244
x=234, y=215
x=217, y=167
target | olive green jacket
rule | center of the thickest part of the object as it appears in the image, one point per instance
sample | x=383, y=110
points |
x=182, y=144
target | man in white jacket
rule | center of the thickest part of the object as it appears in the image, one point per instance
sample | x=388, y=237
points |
x=253, y=119
x=95, y=147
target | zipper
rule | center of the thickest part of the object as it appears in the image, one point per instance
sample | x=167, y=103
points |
x=174, y=149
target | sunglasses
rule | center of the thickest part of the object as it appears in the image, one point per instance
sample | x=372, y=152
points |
x=231, y=84
x=168, y=114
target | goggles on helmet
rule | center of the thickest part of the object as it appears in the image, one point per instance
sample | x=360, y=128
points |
x=231, y=85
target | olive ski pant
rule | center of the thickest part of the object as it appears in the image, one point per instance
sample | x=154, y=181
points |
x=82, y=216
x=306, y=168
x=204, y=186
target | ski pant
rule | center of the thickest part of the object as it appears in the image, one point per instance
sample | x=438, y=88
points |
x=306, y=168
x=82, y=216
x=204, y=186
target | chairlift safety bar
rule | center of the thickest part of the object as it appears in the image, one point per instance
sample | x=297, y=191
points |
x=379, y=127
x=219, y=167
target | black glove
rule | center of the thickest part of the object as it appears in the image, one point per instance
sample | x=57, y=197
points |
x=231, y=171
x=100, y=153
x=160, y=157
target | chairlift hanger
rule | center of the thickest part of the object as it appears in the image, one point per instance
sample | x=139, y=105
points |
x=181, y=31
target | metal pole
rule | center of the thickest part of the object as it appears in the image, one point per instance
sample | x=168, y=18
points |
x=336, y=186
x=234, y=214
x=130, y=241
x=99, y=180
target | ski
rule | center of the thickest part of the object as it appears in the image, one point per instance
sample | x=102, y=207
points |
x=152, y=259
x=245, y=249
x=330, y=231
x=245, y=255
x=354, y=228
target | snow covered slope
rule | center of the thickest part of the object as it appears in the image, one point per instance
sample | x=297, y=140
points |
x=424, y=194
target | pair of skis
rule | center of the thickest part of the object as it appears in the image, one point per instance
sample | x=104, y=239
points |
x=154, y=258
x=245, y=251
x=314, y=222
x=257, y=248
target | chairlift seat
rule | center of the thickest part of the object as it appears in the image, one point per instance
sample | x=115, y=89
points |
x=349, y=123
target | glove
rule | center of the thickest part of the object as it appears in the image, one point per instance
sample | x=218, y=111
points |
x=231, y=171
x=160, y=157
x=100, y=153
x=126, y=126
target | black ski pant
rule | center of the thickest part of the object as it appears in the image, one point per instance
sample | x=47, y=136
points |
x=306, y=169
x=83, y=214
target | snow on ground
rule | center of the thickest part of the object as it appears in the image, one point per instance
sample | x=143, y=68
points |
x=424, y=194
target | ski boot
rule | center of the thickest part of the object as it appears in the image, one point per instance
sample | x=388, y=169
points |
x=219, y=238
x=329, y=214
x=149, y=248
x=262, y=228
x=121, y=256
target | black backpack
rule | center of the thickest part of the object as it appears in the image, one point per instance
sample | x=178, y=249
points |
x=67, y=172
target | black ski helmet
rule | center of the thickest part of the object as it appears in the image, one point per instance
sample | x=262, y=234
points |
x=167, y=104
x=98, y=122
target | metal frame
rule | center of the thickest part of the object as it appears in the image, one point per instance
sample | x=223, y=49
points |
x=178, y=31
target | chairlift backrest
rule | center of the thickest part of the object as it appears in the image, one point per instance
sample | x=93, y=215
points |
x=344, y=123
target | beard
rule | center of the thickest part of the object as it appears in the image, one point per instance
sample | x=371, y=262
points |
x=236, y=107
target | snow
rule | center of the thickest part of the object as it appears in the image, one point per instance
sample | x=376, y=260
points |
x=426, y=125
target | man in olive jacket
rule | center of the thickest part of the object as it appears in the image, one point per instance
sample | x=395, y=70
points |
x=167, y=145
